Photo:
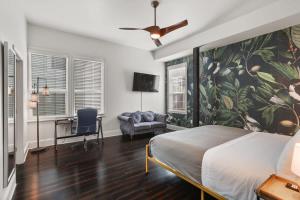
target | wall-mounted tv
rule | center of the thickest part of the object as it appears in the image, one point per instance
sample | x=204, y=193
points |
x=145, y=82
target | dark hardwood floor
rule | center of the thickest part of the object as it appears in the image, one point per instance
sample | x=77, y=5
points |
x=112, y=170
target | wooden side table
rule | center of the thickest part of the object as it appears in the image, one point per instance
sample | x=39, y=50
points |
x=274, y=188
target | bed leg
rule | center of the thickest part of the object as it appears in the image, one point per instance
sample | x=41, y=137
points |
x=202, y=195
x=146, y=161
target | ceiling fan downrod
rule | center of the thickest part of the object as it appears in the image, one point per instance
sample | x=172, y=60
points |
x=154, y=4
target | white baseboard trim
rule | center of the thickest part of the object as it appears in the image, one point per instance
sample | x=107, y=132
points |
x=26, y=149
x=176, y=128
x=50, y=141
x=11, y=147
x=8, y=192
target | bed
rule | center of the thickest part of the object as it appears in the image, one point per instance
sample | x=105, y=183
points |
x=227, y=163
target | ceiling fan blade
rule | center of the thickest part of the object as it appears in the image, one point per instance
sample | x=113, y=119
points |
x=131, y=29
x=169, y=29
x=157, y=42
x=150, y=29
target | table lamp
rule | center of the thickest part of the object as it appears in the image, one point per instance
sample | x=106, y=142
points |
x=295, y=167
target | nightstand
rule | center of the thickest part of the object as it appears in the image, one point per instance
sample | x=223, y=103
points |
x=274, y=188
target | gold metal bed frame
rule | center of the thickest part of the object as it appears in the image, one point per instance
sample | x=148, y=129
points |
x=202, y=188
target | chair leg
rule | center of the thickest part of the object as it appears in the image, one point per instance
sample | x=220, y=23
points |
x=101, y=131
x=85, y=144
x=98, y=138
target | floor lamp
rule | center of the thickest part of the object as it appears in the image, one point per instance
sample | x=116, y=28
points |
x=34, y=103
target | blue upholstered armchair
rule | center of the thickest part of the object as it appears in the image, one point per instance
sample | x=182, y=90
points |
x=142, y=122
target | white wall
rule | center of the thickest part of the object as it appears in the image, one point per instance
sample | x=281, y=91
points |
x=120, y=63
x=13, y=30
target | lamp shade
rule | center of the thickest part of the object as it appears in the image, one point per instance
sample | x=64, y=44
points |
x=296, y=160
x=46, y=91
x=32, y=104
x=34, y=97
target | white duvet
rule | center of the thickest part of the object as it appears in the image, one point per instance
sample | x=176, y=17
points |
x=236, y=168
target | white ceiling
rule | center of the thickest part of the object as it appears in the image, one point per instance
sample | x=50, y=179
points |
x=102, y=18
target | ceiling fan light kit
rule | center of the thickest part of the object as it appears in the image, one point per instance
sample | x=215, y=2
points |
x=155, y=35
x=155, y=31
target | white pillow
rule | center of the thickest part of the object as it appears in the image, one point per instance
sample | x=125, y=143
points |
x=284, y=162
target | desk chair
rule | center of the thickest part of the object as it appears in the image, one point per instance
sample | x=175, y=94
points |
x=86, y=124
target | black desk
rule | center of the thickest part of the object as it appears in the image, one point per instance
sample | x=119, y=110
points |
x=70, y=121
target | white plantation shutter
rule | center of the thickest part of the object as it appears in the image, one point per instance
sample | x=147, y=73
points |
x=54, y=70
x=88, y=84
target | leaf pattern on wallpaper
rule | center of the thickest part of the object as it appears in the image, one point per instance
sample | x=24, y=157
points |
x=253, y=84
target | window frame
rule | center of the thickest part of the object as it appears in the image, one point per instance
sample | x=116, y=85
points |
x=31, y=117
x=172, y=67
x=90, y=59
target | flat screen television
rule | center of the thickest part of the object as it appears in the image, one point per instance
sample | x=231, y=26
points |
x=145, y=82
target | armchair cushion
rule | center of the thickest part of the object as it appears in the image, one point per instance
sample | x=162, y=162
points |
x=136, y=116
x=148, y=125
x=148, y=116
x=142, y=126
x=156, y=124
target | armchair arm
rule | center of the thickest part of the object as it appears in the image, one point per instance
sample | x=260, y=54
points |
x=161, y=117
x=126, y=125
x=125, y=119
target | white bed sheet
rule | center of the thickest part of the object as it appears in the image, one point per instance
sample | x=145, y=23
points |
x=236, y=168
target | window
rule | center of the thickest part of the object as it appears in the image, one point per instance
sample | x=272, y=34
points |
x=88, y=85
x=79, y=85
x=177, y=88
x=53, y=71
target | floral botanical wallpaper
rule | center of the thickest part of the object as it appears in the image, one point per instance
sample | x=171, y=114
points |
x=176, y=118
x=253, y=84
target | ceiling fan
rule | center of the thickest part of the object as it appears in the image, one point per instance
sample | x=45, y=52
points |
x=155, y=31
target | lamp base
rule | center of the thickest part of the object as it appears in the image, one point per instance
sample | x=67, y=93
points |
x=292, y=186
x=38, y=149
